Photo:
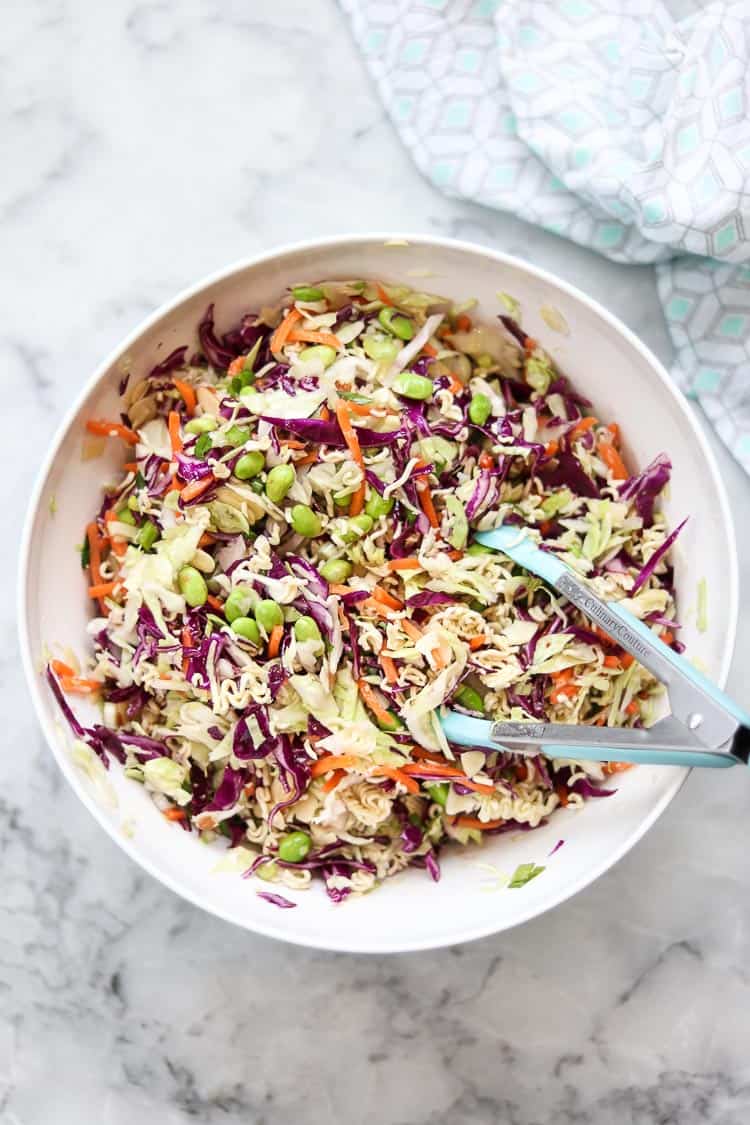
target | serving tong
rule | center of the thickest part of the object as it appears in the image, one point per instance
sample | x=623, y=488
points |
x=705, y=727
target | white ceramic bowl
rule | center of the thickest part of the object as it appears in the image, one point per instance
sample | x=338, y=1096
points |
x=625, y=383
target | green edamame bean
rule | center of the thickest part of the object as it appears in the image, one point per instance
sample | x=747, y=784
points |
x=484, y=360
x=342, y=499
x=238, y=603
x=268, y=614
x=147, y=535
x=410, y=385
x=305, y=521
x=202, y=425
x=378, y=506
x=480, y=409
x=336, y=570
x=469, y=698
x=192, y=586
x=380, y=347
x=236, y=435
x=279, y=481
x=439, y=792
x=307, y=293
x=362, y=523
x=306, y=629
x=126, y=516
x=396, y=323
x=294, y=847
x=247, y=628
x=267, y=871
x=479, y=549
x=249, y=465
x=318, y=351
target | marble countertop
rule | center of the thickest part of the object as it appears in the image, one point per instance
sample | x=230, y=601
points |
x=146, y=144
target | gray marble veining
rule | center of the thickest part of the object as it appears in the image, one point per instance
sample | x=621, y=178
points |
x=145, y=144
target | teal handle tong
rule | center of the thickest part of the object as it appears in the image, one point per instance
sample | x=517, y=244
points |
x=705, y=727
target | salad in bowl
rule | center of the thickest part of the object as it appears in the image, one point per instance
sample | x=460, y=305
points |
x=285, y=589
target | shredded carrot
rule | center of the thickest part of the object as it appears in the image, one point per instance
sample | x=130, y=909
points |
x=612, y=460
x=429, y=350
x=196, y=488
x=274, y=640
x=281, y=334
x=439, y=658
x=216, y=605
x=614, y=429
x=562, y=795
x=344, y=419
x=564, y=676
x=612, y=662
x=454, y=556
x=174, y=813
x=333, y=762
x=443, y=332
x=463, y=323
x=173, y=424
x=308, y=459
x=235, y=367
x=308, y=336
x=339, y=588
x=371, y=700
x=333, y=780
x=411, y=629
x=60, y=668
x=103, y=589
x=529, y=344
x=187, y=394
x=455, y=386
x=632, y=708
x=187, y=642
x=292, y=443
x=130, y=467
x=545, y=527
x=119, y=545
x=397, y=775
x=581, y=426
x=667, y=637
x=486, y=461
x=449, y=773
x=426, y=755
x=383, y=296
x=474, y=822
x=551, y=448
x=381, y=595
x=389, y=668
x=617, y=767
x=567, y=691
x=379, y=608
x=325, y=414
x=76, y=685
x=425, y=499
x=404, y=564
x=112, y=429
x=206, y=539
x=364, y=409
x=478, y=641
x=627, y=659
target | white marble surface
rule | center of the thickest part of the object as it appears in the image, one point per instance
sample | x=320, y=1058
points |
x=145, y=144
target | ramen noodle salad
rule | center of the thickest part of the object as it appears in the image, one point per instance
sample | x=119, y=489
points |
x=286, y=591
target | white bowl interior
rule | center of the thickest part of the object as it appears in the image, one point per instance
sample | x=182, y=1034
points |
x=624, y=382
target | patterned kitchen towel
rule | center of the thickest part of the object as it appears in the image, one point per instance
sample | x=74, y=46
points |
x=606, y=121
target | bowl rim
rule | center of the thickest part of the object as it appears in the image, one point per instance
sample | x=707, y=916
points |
x=34, y=680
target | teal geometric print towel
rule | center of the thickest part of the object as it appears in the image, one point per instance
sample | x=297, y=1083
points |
x=608, y=122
